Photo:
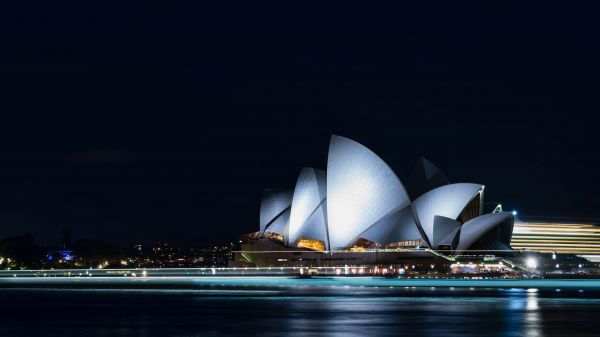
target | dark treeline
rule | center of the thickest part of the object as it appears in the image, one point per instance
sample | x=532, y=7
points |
x=24, y=252
x=21, y=252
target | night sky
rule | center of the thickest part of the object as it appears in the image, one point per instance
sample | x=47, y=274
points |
x=143, y=123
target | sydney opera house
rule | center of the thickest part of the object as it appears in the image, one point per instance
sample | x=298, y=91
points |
x=359, y=201
x=360, y=204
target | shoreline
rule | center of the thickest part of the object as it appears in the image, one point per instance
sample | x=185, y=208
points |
x=288, y=282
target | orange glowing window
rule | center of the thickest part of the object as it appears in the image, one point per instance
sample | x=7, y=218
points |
x=311, y=244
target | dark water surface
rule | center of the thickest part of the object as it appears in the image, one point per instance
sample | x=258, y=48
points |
x=301, y=311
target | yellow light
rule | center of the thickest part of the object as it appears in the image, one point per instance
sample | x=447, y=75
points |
x=311, y=244
x=357, y=249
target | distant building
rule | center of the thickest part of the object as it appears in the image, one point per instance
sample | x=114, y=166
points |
x=60, y=254
x=558, y=237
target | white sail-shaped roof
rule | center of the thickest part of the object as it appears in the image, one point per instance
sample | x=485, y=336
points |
x=274, y=203
x=380, y=231
x=308, y=215
x=474, y=229
x=406, y=229
x=361, y=189
x=394, y=227
x=444, y=231
x=280, y=225
x=447, y=201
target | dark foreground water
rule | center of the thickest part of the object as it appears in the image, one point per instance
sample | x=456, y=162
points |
x=300, y=311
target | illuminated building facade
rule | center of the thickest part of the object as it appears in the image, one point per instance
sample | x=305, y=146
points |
x=563, y=238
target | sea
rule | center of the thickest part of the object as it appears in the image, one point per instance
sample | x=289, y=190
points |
x=299, y=307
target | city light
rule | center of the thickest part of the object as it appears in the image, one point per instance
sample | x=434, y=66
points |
x=531, y=263
x=514, y=212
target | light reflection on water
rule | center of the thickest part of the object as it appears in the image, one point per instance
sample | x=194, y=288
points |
x=296, y=312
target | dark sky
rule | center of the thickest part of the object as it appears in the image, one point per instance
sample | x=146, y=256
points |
x=140, y=123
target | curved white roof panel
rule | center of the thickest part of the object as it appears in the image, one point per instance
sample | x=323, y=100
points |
x=380, y=231
x=444, y=231
x=473, y=230
x=447, y=201
x=361, y=189
x=308, y=216
x=274, y=203
x=406, y=229
x=280, y=224
x=394, y=227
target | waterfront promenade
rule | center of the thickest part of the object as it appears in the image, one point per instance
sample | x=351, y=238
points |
x=274, y=282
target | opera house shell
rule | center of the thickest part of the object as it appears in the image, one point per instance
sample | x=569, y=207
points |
x=359, y=201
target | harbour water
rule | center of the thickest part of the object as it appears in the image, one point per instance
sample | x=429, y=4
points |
x=297, y=307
